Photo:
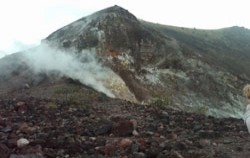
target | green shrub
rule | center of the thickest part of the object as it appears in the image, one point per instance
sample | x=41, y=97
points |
x=157, y=102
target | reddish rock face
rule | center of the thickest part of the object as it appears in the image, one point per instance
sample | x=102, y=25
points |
x=123, y=128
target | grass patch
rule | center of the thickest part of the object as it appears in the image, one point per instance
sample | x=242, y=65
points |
x=201, y=110
x=76, y=94
x=162, y=100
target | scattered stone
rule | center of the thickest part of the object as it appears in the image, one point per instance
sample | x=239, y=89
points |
x=227, y=141
x=157, y=135
x=176, y=154
x=92, y=116
x=125, y=142
x=162, y=145
x=197, y=127
x=134, y=147
x=26, y=156
x=135, y=133
x=24, y=128
x=163, y=154
x=162, y=137
x=2, y=121
x=123, y=128
x=149, y=133
x=181, y=146
x=204, y=143
x=134, y=123
x=172, y=136
x=26, y=86
x=66, y=156
x=164, y=113
x=93, y=138
x=161, y=126
x=4, y=151
x=152, y=128
x=239, y=149
x=6, y=129
x=190, y=119
x=142, y=144
x=103, y=129
x=139, y=155
x=105, y=150
x=22, y=142
x=115, y=118
x=11, y=143
x=21, y=107
x=169, y=146
x=20, y=103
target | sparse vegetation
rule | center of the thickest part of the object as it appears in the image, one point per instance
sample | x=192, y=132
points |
x=161, y=100
x=74, y=94
x=158, y=102
x=201, y=109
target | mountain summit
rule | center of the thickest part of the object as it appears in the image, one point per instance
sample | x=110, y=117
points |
x=120, y=40
x=186, y=69
x=189, y=67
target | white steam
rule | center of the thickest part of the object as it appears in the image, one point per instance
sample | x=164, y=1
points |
x=79, y=66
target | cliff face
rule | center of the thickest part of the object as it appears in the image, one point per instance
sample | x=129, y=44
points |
x=187, y=69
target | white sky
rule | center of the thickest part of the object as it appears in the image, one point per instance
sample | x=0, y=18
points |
x=25, y=22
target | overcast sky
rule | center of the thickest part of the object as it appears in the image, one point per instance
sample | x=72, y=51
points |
x=25, y=22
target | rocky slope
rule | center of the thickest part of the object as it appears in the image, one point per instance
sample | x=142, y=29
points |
x=202, y=70
x=97, y=126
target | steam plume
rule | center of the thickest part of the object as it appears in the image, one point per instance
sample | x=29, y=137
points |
x=79, y=66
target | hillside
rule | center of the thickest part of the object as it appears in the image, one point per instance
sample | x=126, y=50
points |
x=219, y=47
x=111, y=85
x=187, y=69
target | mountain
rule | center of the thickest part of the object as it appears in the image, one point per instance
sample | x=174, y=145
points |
x=188, y=69
x=184, y=68
x=111, y=85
